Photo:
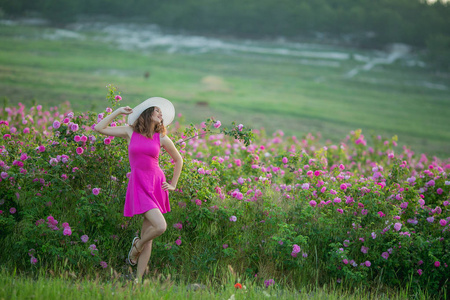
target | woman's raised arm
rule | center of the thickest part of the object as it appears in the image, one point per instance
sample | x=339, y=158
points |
x=119, y=131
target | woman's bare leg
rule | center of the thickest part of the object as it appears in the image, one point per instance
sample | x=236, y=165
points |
x=146, y=252
x=153, y=226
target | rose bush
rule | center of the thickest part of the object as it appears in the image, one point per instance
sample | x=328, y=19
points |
x=271, y=206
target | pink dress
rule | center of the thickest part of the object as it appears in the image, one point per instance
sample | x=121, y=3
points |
x=144, y=190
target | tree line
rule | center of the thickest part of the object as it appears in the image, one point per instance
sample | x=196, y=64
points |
x=369, y=23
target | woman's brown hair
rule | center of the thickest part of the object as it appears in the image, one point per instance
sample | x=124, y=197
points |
x=146, y=126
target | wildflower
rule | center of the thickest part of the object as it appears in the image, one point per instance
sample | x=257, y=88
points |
x=385, y=255
x=284, y=160
x=305, y=254
x=281, y=243
x=56, y=124
x=33, y=260
x=341, y=166
x=337, y=200
x=340, y=210
x=201, y=171
x=317, y=173
x=397, y=226
x=74, y=127
x=367, y=263
x=67, y=231
x=178, y=242
x=439, y=191
x=65, y=224
x=107, y=141
x=233, y=218
x=118, y=98
x=364, y=211
x=364, y=249
x=84, y=238
x=53, y=161
x=95, y=191
x=374, y=235
x=443, y=222
x=93, y=247
x=305, y=186
x=103, y=264
x=420, y=272
x=12, y=210
x=269, y=282
x=198, y=202
x=52, y=220
x=178, y=226
x=404, y=205
x=333, y=192
x=240, y=126
x=437, y=264
x=346, y=243
x=225, y=246
x=312, y=203
x=4, y=175
x=238, y=286
x=343, y=186
x=80, y=150
x=296, y=248
x=413, y=221
x=420, y=262
x=430, y=219
x=217, y=124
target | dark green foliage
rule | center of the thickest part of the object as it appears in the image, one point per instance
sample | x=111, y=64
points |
x=412, y=22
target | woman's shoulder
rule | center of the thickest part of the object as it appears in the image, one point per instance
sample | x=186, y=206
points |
x=164, y=139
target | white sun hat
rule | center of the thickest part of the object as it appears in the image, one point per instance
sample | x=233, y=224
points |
x=167, y=110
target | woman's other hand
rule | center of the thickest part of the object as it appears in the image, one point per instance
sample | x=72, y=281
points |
x=125, y=110
x=168, y=187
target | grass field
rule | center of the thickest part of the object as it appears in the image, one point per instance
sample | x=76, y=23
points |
x=275, y=85
x=163, y=287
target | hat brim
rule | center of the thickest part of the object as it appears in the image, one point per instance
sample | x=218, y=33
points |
x=167, y=110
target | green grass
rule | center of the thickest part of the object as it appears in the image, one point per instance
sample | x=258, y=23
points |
x=68, y=286
x=274, y=92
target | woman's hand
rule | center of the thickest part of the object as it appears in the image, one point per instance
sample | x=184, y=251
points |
x=168, y=187
x=125, y=110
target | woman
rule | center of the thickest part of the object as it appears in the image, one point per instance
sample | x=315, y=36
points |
x=148, y=190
